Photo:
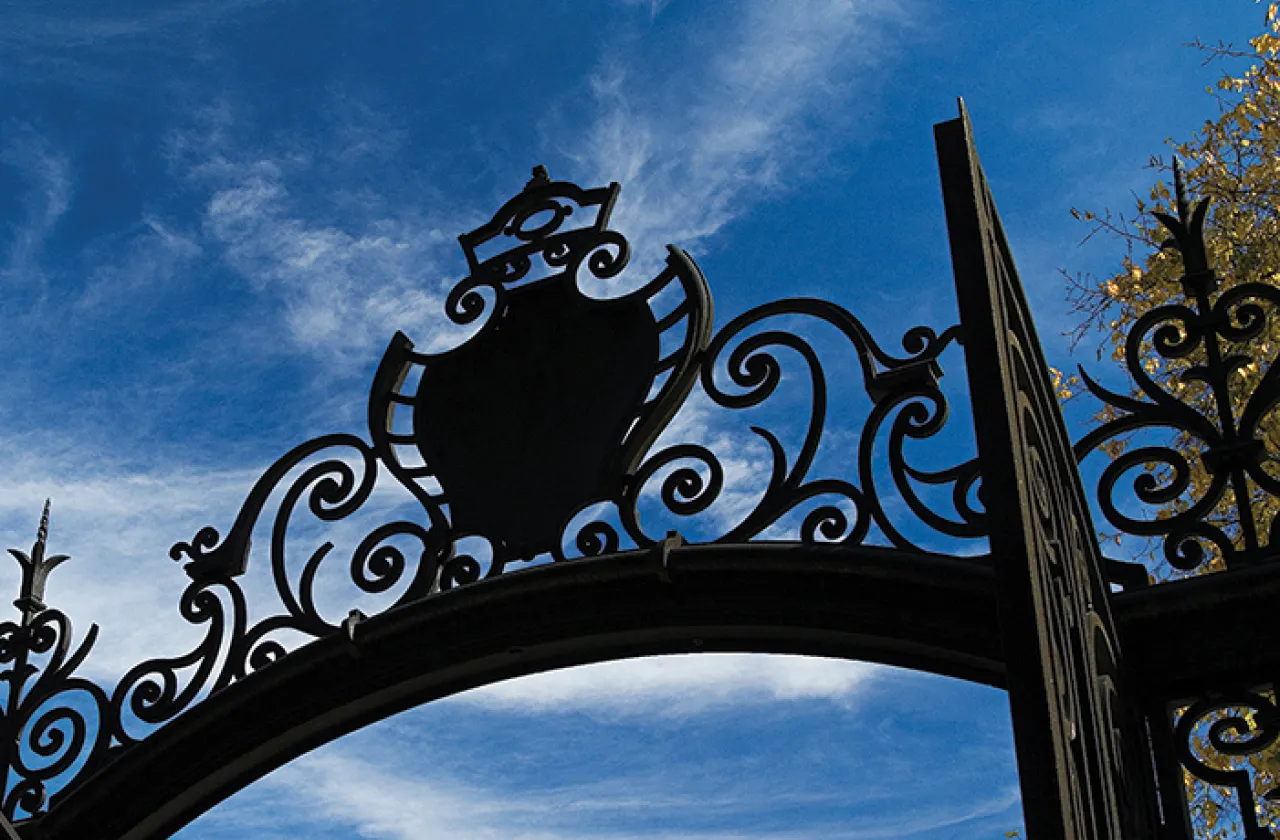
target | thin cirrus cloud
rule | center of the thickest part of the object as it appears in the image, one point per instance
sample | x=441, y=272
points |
x=655, y=7
x=345, y=288
x=694, y=151
x=346, y=283
x=676, y=685
x=49, y=193
x=387, y=802
x=103, y=51
x=392, y=802
x=697, y=149
x=364, y=785
x=36, y=31
x=117, y=527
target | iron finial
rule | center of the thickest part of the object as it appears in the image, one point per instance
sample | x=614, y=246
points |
x=35, y=569
x=42, y=533
x=1180, y=191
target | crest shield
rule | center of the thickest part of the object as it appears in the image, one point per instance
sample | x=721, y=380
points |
x=563, y=392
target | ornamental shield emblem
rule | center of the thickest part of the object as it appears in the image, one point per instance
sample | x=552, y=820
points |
x=553, y=401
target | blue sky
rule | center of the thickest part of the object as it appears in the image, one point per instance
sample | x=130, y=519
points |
x=213, y=215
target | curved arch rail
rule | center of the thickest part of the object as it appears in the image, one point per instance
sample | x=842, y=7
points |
x=916, y=610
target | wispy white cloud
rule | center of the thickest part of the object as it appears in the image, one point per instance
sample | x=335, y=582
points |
x=396, y=803
x=676, y=685
x=117, y=526
x=69, y=43
x=392, y=784
x=31, y=29
x=154, y=254
x=347, y=270
x=345, y=289
x=655, y=7
x=50, y=187
x=698, y=149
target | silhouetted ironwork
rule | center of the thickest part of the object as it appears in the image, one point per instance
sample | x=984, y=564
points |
x=51, y=718
x=543, y=444
x=1205, y=377
x=549, y=410
x=1082, y=751
x=1236, y=724
x=1213, y=399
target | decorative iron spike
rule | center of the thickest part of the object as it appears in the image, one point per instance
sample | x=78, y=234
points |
x=1180, y=192
x=42, y=533
x=36, y=567
x=1187, y=237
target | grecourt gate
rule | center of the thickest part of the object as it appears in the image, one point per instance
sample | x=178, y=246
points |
x=533, y=447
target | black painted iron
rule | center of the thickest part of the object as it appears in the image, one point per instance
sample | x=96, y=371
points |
x=43, y=732
x=1082, y=752
x=883, y=605
x=536, y=446
x=1206, y=346
x=551, y=408
x=1204, y=377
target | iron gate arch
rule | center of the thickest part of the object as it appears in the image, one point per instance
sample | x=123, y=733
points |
x=581, y=388
x=717, y=599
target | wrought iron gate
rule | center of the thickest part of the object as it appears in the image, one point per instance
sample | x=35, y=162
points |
x=531, y=548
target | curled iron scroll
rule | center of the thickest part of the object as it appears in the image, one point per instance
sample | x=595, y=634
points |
x=905, y=396
x=1209, y=490
x=1216, y=740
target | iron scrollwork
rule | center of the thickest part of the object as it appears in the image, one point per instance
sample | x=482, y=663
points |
x=1206, y=379
x=1211, y=488
x=554, y=406
x=53, y=723
x=904, y=392
x=1215, y=739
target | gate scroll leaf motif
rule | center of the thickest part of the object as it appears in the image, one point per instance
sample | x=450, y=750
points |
x=1211, y=494
x=43, y=734
x=1083, y=761
x=1218, y=737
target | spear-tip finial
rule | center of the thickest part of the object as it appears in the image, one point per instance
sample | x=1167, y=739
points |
x=1180, y=191
x=35, y=569
x=42, y=534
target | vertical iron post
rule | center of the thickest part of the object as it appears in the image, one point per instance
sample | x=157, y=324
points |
x=1083, y=758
